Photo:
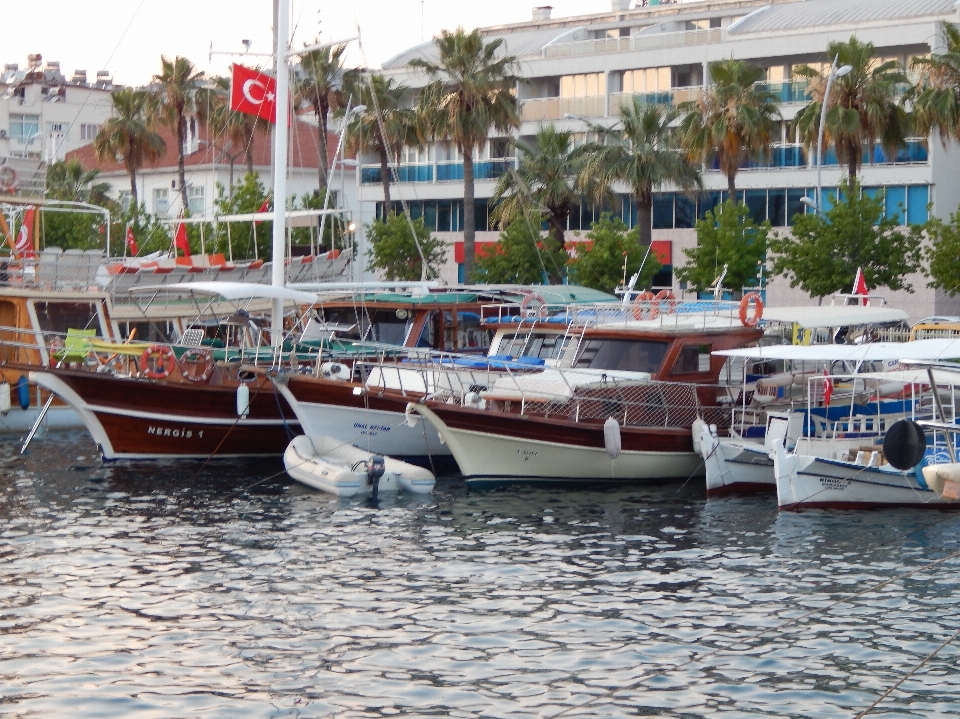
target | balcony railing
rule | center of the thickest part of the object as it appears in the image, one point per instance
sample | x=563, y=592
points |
x=441, y=171
x=794, y=155
x=654, y=41
x=794, y=91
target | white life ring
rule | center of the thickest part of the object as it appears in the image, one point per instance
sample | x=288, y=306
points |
x=541, y=311
x=196, y=365
x=8, y=178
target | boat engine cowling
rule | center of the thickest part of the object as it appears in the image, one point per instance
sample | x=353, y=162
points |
x=375, y=469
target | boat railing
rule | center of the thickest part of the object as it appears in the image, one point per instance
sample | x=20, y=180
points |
x=654, y=314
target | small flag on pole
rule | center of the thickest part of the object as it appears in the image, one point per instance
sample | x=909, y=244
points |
x=131, y=241
x=860, y=287
x=181, y=242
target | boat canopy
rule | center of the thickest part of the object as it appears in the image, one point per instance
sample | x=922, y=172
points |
x=232, y=291
x=833, y=315
x=931, y=349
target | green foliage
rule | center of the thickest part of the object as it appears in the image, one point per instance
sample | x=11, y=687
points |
x=150, y=234
x=726, y=236
x=824, y=252
x=599, y=264
x=393, y=250
x=943, y=253
x=520, y=256
x=247, y=196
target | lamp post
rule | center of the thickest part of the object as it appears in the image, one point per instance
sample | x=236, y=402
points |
x=834, y=72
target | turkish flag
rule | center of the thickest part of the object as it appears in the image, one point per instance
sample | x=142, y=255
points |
x=24, y=246
x=265, y=207
x=181, y=242
x=131, y=242
x=827, y=389
x=254, y=93
x=860, y=286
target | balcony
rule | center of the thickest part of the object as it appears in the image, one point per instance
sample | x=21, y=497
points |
x=794, y=91
x=442, y=171
x=669, y=98
x=554, y=108
x=794, y=156
x=653, y=41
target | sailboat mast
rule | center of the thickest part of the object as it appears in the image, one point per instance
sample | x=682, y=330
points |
x=281, y=129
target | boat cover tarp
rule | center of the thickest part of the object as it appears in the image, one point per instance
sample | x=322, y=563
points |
x=930, y=349
x=833, y=315
x=232, y=291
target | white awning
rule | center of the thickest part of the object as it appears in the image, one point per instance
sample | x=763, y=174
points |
x=833, y=315
x=932, y=349
x=295, y=218
x=232, y=291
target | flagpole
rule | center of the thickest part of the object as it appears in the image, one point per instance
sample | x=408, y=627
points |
x=280, y=165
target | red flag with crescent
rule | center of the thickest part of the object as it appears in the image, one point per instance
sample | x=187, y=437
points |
x=131, y=241
x=24, y=245
x=253, y=93
x=180, y=241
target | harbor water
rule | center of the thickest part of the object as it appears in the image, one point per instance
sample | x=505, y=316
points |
x=225, y=590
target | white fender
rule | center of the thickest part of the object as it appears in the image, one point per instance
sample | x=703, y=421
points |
x=243, y=400
x=697, y=431
x=4, y=397
x=410, y=417
x=335, y=370
x=611, y=438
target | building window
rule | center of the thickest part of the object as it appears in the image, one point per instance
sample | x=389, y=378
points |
x=124, y=198
x=24, y=127
x=195, y=200
x=650, y=80
x=589, y=85
x=161, y=202
x=88, y=131
x=56, y=127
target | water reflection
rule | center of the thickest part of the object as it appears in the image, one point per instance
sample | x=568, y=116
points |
x=162, y=589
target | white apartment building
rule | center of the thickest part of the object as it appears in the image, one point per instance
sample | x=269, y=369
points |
x=44, y=115
x=576, y=71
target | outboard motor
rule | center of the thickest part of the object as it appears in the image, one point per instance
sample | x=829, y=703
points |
x=375, y=470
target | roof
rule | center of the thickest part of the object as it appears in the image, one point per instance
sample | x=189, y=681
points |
x=826, y=13
x=231, y=291
x=833, y=315
x=933, y=349
x=304, y=151
x=520, y=43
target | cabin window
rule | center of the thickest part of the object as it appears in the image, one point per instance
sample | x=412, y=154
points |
x=470, y=335
x=625, y=355
x=389, y=328
x=343, y=323
x=693, y=359
x=544, y=346
x=61, y=316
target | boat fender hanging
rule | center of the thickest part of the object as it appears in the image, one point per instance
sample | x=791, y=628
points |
x=904, y=444
x=23, y=392
x=166, y=359
x=752, y=319
x=243, y=400
x=410, y=418
x=611, y=437
x=4, y=397
x=697, y=432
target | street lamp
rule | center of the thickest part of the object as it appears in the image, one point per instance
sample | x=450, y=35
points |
x=835, y=71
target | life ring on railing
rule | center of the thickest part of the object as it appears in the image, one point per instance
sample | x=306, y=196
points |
x=166, y=359
x=667, y=300
x=751, y=320
x=541, y=311
x=196, y=365
x=645, y=306
x=8, y=178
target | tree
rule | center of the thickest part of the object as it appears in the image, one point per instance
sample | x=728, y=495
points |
x=862, y=107
x=394, y=251
x=543, y=183
x=936, y=96
x=128, y=136
x=384, y=127
x=640, y=155
x=472, y=92
x=599, y=263
x=825, y=252
x=726, y=236
x=318, y=85
x=247, y=239
x=236, y=130
x=172, y=102
x=733, y=119
x=67, y=180
x=520, y=256
x=943, y=253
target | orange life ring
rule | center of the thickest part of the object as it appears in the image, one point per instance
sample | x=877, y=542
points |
x=645, y=306
x=668, y=299
x=8, y=178
x=196, y=365
x=541, y=312
x=166, y=359
x=754, y=319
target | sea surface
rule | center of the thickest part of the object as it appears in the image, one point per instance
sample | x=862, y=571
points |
x=226, y=590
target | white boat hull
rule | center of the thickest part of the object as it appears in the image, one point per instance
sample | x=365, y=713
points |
x=325, y=463
x=736, y=465
x=805, y=481
x=18, y=421
x=487, y=459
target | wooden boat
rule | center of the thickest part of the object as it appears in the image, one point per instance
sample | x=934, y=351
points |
x=330, y=465
x=619, y=407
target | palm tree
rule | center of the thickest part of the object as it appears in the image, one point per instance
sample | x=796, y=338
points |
x=173, y=101
x=472, y=92
x=733, y=119
x=384, y=127
x=936, y=96
x=128, y=135
x=233, y=129
x=543, y=181
x=319, y=86
x=642, y=155
x=67, y=180
x=862, y=107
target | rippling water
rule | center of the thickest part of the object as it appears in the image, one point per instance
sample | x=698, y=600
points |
x=158, y=590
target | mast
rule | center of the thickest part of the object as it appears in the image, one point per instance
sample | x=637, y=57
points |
x=280, y=131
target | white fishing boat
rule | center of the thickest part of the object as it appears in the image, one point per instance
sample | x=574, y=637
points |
x=327, y=464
